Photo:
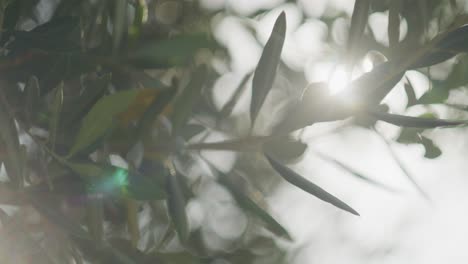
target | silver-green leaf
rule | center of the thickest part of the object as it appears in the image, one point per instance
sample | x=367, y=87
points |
x=266, y=70
x=299, y=181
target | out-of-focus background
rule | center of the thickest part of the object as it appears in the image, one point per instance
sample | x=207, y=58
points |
x=394, y=227
x=408, y=184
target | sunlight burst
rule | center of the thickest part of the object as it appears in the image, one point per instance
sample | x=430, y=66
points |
x=338, y=80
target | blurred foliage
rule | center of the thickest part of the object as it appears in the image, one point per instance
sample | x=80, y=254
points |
x=106, y=115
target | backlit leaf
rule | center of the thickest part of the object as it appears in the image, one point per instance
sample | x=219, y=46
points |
x=409, y=121
x=246, y=202
x=266, y=69
x=358, y=24
x=176, y=204
x=304, y=184
x=10, y=142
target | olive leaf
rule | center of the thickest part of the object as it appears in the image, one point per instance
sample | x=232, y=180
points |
x=169, y=52
x=304, y=184
x=10, y=143
x=176, y=206
x=55, y=115
x=100, y=118
x=187, y=99
x=266, y=69
x=246, y=202
x=358, y=24
x=409, y=121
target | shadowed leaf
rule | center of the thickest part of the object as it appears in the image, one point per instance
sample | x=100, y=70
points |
x=266, y=69
x=358, y=24
x=187, y=99
x=431, y=150
x=169, y=52
x=10, y=143
x=299, y=181
x=156, y=108
x=249, y=204
x=176, y=205
x=394, y=23
x=100, y=119
x=409, y=121
x=55, y=115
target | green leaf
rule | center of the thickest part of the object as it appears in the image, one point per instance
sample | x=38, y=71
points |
x=55, y=115
x=358, y=24
x=192, y=130
x=285, y=148
x=410, y=94
x=176, y=206
x=432, y=151
x=170, y=52
x=154, y=110
x=302, y=183
x=394, y=23
x=93, y=91
x=10, y=142
x=190, y=95
x=268, y=64
x=229, y=106
x=409, y=121
x=246, y=202
x=119, y=23
x=100, y=119
x=457, y=78
x=95, y=217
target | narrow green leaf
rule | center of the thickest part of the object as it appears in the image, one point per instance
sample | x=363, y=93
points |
x=229, y=106
x=10, y=142
x=174, y=51
x=55, y=115
x=154, y=110
x=95, y=217
x=410, y=94
x=119, y=23
x=100, y=119
x=192, y=130
x=358, y=24
x=302, y=183
x=93, y=91
x=253, y=143
x=246, y=202
x=409, y=121
x=394, y=23
x=176, y=206
x=285, y=148
x=268, y=64
x=185, y=102
x=132, y=221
